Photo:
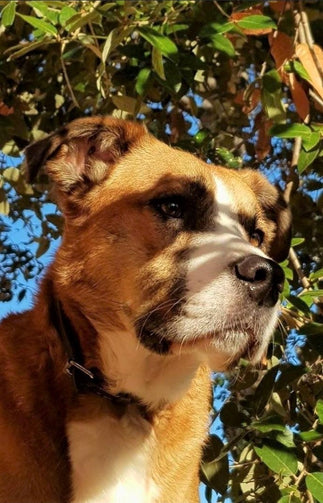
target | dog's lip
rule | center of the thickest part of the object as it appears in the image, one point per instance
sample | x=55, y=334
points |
x=206, y=342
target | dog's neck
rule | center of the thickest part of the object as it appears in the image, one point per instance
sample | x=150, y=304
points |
x=128, y=371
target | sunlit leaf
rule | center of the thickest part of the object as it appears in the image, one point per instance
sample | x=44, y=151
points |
x=8, y=13
x=142, y=81
x=314, y=483
x=158, y=64
x=164, y=44
x=256, y=22
x=305, y=159
x=65, y=14
x=39, y=24
x=223, y=44
x=272, y=96
x=309, y=142
x=319, y=410
x=278, y=458
x=290, y=131
x=311, y=435
x=43, y=10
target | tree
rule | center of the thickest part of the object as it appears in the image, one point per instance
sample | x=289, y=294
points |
x=235, y=83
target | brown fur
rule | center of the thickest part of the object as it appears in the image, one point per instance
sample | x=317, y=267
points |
x=104, y=172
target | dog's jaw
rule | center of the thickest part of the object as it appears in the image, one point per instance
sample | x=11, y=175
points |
x=155, y=379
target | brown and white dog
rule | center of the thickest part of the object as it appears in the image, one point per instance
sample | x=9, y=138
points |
x=163, y=273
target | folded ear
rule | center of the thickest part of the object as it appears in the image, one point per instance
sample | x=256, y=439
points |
x=81, y=153
x=276, y=209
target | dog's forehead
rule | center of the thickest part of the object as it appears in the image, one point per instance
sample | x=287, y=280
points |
x=152, y=164
x=153, y=167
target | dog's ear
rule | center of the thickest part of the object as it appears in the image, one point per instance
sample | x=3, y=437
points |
x=81, y=153
x=276, y=209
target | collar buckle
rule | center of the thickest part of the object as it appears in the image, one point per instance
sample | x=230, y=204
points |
x=71, y=364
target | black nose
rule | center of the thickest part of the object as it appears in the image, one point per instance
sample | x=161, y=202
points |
x=263, y=278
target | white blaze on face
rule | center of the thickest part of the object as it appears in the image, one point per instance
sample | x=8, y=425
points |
x=217, y=303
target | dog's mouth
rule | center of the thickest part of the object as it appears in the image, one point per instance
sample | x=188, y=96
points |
x=234, y=342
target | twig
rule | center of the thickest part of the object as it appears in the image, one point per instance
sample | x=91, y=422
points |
x=67, y=80
x=220, y=9
x=305, y=24
x=299, y=27
x=316, y=98
x=298, y=269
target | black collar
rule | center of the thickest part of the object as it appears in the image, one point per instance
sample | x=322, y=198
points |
x=85, y=380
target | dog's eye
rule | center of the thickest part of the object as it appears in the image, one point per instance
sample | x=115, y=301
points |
x=257, y=237
x=171, y=207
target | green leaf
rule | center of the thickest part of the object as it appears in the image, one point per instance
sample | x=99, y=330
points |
x=174, y=28
x=29, y=46
x=264, y=389
x=108, y=44
x=8, y=14
x=290, y=131
x=313, y=332
x=316, y=274
x=215, y=473
x=268, y=424
x=286, y=438
x=66, y=14
x=300, y=70
x=256, y=22
x=311, y=141
x=157, y=62
x=79, y=20
x=201, y=137
x=278, y=458
x=297, y=242
x=314, y=483
x=272, y=95
x=164, y=44
x=311, y=435
x=299, y=304
x=211, y=29
x=289, y=498
x=142, y=81
x=39, y=24
x=312, y=293
x=289, y=373
x=228, y=158
x=222, y=44
x=41, y=9
x=305, y=159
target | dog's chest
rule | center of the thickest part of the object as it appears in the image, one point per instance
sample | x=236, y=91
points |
x=111, y=460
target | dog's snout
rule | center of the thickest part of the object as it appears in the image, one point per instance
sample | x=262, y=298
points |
x=263, y=278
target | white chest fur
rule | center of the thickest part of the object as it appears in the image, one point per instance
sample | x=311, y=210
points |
x=111, y=460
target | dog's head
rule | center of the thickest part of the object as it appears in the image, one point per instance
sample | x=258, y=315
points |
x=179, y=253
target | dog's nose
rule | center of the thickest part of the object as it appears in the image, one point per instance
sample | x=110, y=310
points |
x=263, y=278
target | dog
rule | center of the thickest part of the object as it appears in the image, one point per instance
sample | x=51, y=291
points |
x=167, y=269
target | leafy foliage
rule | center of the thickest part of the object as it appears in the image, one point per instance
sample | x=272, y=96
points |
x=234, y=82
